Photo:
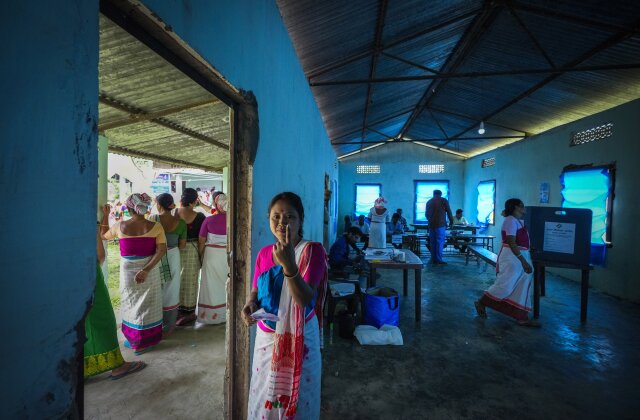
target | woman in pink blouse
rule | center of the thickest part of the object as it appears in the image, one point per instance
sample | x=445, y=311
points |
x=142, y=245
x=289, y=285
x=212, y=247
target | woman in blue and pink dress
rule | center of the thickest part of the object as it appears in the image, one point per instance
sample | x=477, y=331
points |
x=142, y=246
x=290, y=281
x=511, y=292
x=212, y=246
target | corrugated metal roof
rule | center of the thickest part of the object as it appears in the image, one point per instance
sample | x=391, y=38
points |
x=334, y=41
x=134, y=77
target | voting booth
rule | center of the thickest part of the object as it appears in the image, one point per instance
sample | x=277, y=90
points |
x=560, y=237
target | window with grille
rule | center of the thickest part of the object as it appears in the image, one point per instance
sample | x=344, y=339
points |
x=592, y=188
x=587, y=136
x=368, y=169
x=431, y=169
x=366, y=195
x=423, y=193
x=488, y=162
x=486, y=203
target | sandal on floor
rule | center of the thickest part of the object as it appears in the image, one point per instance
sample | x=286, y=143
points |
x=133, y=368
x=480, y=309
x=143, y=351
x=534, y=323
x=186, y=320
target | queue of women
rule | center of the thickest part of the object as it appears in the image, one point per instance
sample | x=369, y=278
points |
x=161, y=261
x=289, y=284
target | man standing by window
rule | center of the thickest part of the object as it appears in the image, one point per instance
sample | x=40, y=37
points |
x=437, y=210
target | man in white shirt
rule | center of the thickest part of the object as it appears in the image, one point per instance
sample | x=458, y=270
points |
x=459, y=219
x=364, y=228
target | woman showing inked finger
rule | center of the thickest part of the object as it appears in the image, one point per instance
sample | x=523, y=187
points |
x=289, y=283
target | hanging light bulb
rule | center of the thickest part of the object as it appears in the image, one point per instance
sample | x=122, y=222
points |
x=481, y=130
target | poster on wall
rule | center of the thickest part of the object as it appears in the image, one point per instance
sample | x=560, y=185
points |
x=544, y=193
x=559, y=237
x=161, y=184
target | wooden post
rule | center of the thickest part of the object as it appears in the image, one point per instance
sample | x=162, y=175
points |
x=405, y=281
x=243, y=149
x=584, y=298
x=537, y=267
x=418, y=292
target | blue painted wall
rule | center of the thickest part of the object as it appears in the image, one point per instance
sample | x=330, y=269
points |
x=522, y=166
x=49, y=161
x=48, y=171
x=398, y=169
x=247, y=42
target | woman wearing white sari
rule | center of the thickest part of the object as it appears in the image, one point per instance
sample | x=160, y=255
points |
x=142, y=246
x=175, y=230
x=212, y=247
x=290, y=282
x=379, y=217
x=511, y=292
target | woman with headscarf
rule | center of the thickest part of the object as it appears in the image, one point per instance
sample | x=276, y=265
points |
x=379, y=216
x=189, y=257
x=212, y=246
x=142, y=246
x=175, y=230
x=289, y=283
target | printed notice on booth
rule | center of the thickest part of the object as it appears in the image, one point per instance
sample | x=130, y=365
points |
x=559, y=237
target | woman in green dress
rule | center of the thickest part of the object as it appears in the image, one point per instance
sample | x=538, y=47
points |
x=101, y=348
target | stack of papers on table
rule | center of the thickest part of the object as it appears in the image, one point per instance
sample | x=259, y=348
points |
x=378, y=254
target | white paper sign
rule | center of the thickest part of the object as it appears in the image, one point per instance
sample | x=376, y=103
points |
x=559, y=237
x=396, y=239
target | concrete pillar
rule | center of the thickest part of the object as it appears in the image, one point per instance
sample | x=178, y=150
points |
x=103, y=177
x=225, y=180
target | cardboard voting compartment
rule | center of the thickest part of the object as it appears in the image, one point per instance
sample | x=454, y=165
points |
x=560, y=235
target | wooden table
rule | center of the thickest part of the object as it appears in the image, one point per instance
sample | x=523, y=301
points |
x=539, y=285
x=471, y=228
x=486, y=240
x=412, y=262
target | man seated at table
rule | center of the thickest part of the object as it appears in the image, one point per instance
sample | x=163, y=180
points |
x=394, y=227
x=364, y=228
x=339, y=252
x=459, y=219
x=405, y=227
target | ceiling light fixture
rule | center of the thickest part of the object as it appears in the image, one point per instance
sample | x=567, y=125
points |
x=481, y=130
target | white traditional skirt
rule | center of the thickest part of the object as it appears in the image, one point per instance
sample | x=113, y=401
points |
x=171, y=291
x=212, y=297
x=377, y=235
x=140, y=304
x=512, y=285
x=310, y=379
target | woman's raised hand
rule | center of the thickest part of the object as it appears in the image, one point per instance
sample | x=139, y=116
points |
x=106, y=209
x=285, y=255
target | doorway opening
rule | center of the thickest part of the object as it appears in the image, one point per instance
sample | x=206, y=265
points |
x=167, y=122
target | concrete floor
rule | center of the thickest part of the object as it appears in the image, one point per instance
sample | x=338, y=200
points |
x=454, y=365
x=183, y=380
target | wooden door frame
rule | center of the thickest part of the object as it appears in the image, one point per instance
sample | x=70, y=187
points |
x=152, y=31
